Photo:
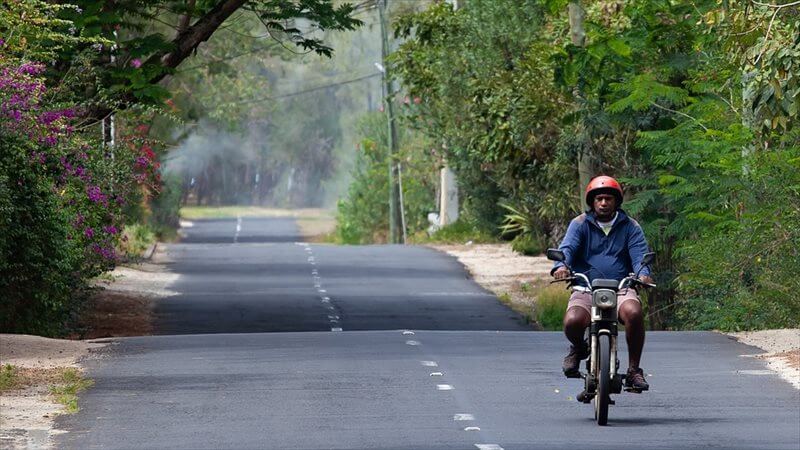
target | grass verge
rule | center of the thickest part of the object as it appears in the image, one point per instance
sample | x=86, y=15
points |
x=507, y=299
x=10, y=378
x=455, y=233
x=66, y=391
x=315, y=224
x=227, y=212
x=551, y=304
x=64, y=383
x=137, y=238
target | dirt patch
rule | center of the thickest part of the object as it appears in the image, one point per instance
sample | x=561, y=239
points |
x=316, y=229
x=123, y=302
x=114, y=314
x=514, y=278
x=791, y=358
x=782, y=347
x=37, y=352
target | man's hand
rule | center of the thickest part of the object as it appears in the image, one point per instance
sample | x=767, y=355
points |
x=646, y=279
x=561, y=273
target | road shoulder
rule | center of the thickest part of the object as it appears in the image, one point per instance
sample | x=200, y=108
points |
x=782, y=349
x=512, y=277
x=40, y=377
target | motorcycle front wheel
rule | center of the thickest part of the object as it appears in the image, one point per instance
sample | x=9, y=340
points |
x=603, y=396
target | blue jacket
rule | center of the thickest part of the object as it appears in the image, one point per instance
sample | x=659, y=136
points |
x=591, y=252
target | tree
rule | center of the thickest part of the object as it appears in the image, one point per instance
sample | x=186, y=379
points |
x=138, y=31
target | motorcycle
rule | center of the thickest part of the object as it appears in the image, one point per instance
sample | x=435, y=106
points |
x=601, y=377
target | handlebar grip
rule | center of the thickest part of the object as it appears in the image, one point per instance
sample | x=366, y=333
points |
x=563, y=280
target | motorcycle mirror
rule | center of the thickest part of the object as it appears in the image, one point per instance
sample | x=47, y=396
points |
x=648, y=258
x=554, y=254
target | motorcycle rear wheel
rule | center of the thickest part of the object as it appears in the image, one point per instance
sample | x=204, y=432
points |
x=603, y=396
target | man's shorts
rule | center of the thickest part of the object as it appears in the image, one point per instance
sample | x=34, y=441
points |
x=584, y=299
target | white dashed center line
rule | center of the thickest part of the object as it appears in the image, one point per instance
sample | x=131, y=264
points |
x=238, y=229
x=472, y=429
x=333, y=317
x=488, y=447
x=444, y=387
x=459, y=417
x=429, y=363
x=412, y=343
x=437, y=374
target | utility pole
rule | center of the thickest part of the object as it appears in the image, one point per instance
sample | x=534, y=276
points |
x=395, y=225
x=448, y=192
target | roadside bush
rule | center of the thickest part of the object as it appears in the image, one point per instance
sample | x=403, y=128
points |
x=550, y=306
x=459, y=232
x=165, y=206
x=529, y=245
x=39, y=266
x=135, y=240
x=61, y=199
x=363, y=216
x=741, y=272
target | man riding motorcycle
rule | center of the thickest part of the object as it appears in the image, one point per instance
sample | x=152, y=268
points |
x=604, y=243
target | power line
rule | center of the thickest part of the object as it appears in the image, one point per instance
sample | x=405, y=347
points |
x=306, y=91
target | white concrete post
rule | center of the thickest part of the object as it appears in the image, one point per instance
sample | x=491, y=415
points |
x=448, y=200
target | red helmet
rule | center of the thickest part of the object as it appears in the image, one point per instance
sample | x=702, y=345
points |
x=603, y=183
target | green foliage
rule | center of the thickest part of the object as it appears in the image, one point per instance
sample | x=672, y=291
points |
x=136, y=240
x=459, y=232
x=165, y=206
x=70, y=384
x=60, y=191
x=550, y=307
x=529, y=245
x=691, y=104
x=741, y=271
x=9, y=379
x=528, y=239
x=362, y=217
x=39, y=265
x=489, y=96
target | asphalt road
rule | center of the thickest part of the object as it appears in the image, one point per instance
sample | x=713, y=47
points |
x=252, y=356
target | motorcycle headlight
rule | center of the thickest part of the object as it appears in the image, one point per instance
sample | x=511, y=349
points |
x=604, y=298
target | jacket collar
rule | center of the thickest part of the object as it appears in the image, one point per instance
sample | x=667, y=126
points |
x=621, y=218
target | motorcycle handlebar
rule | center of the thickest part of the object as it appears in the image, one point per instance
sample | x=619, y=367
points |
x=633, y=280
x=626, y=282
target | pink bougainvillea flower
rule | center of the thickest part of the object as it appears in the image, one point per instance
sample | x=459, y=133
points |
x=95, y=194
x=136, y=63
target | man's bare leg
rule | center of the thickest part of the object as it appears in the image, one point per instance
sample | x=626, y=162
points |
x=576, y=320
x=630, y=314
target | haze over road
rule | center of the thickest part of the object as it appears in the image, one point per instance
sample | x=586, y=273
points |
x=273, y=343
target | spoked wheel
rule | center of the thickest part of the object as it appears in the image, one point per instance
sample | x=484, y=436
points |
x=602, y=398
